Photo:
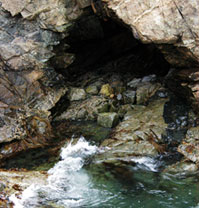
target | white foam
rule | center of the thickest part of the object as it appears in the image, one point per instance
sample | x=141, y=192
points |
x=148, y=162
x=68, y=184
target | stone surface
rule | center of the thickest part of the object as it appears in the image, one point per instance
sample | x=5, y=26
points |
x=139, y=134
x=145, y=91
x=182, y=167
x=92, y=89
x=190, y=146
x=52, y=14
x=134, y=83
x=77, y=94
x=29, y=87
x=171, y=25
x=22, y=179
x=90, y=108
x=106, y=90
x=129, y=96
x=109, y=119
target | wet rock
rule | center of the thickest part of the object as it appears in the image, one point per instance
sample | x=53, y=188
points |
x=77, y=94
x=129, y=97
x=92, y=89
x=90, y=107
x=16, y=181
x=146, y=91
x=139, y=134
x=106, y=90
x=190, y=145
x=109, y=119
x=182, y=167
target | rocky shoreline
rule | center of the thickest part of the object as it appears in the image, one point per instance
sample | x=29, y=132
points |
x=80, y=68
x=144, y=120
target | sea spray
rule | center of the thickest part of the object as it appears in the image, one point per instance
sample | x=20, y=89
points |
x=68, y=184
x=146, y=163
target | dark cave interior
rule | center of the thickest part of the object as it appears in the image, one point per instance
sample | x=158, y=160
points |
x=106, y=47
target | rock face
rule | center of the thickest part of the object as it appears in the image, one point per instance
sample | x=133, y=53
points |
x=172, y=25
x=29, y=87
x=139, y=134
x=15, y=182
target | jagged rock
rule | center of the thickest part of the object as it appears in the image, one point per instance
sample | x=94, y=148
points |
x=190, y=146
x=52, y=14
x=145, y=91
x=29, y=87
x=171, y=25
x=139, y=134
x=17, y=181
x=87, y=109
x=77, y=94
x=129, y=96
x=109, y=119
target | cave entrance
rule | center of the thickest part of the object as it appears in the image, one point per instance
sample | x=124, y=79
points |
x=99, y=46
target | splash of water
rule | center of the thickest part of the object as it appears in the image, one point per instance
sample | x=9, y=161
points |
x=68, y=184
x=147, y=163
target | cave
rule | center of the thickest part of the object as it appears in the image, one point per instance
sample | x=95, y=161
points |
x=99, y=45
x=98, y=103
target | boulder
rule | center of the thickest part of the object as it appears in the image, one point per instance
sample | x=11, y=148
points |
x=129, y=96
x=108, y=120
x=77, y=94
x=106, y=90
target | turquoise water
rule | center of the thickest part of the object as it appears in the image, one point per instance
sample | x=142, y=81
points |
x=75, y=182
x=145, y=189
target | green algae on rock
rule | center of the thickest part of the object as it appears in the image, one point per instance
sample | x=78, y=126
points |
x=106, y=90
x=139, y=134
x=109, y=119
